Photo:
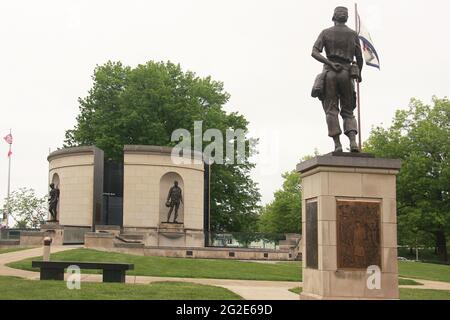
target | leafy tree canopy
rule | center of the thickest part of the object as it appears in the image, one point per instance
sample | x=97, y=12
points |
x=27, y=209
x=145, y=104
x=420, y=136
x=283, y=214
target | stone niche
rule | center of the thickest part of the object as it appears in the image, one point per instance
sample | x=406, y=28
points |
x=78, y=173
x=149, y=172
x=165, y=184
x=349, y=224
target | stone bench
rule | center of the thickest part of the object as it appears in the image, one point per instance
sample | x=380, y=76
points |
x=54, y=270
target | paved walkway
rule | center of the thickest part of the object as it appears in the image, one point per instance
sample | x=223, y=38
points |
x=6, y=258
x=428, y=284
x=247, y=289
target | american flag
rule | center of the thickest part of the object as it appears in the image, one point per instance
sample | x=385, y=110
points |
x=8, y=138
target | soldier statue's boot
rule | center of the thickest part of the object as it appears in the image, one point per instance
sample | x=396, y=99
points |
x=353, y=145
x=337, y=144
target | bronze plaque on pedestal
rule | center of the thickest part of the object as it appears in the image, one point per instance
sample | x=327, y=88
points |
x=358, y=234
x=312, y=243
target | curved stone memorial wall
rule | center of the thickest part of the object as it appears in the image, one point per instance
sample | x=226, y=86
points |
x=149, y=174
x=78, y=174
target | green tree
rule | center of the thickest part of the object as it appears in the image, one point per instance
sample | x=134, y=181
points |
x=283, y=214
x=420, y=137
x=27, y=209
x=144, y=105
x=410, y=234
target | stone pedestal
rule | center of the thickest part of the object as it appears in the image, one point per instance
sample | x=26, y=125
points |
x=171, y=227
x=54, y=231
x=349, y=225
x=171, y=235
x=47, y=244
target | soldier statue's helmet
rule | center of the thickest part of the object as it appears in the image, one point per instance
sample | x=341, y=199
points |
x=339, y=10
x=175, y=183
x=52, y=185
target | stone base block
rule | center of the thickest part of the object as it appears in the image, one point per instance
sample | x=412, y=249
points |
x=169, y=235
x=350, y=229
x=54, y=231
x=32, y=238
x=204, y=252
x=99, y=240
x=115, y=230
x=171, y=227
x=195, y=239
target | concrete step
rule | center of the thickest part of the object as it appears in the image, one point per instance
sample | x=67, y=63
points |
x=293, y=236
x=288, y=242
x=132, y=236
x=129, y=245
x=128, y=240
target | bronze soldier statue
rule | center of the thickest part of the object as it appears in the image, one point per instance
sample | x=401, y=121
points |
x=53, y=199
x=174, y=198
x=335, y=87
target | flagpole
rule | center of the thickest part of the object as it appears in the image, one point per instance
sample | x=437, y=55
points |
x=9, y=186
x=358, y=97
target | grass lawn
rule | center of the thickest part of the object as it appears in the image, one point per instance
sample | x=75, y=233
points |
x=296, y=290
x=224, y=269
x=424, y=294
x=408, y=282
x=20, y=289
x=426, y=271
x=13, y=249
x=180, y=267
x=410, y=294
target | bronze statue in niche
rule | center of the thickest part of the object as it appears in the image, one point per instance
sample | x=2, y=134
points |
x=174, y=199
x=53, y=199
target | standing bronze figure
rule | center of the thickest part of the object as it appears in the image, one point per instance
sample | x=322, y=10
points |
x=334, y=86
x=53, y=199
x=174, y=198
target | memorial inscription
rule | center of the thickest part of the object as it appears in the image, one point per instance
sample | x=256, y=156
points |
x=312, y=245
x=358, y=234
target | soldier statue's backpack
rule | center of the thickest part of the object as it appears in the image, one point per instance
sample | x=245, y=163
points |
x=318, y=90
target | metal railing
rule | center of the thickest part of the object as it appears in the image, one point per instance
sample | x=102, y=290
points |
x=421, y=253
x=246, y=240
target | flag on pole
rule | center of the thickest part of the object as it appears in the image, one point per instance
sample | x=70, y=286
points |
x=8, y=138
x=369, y=51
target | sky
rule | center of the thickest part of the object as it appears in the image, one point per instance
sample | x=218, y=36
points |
x=260, y=49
